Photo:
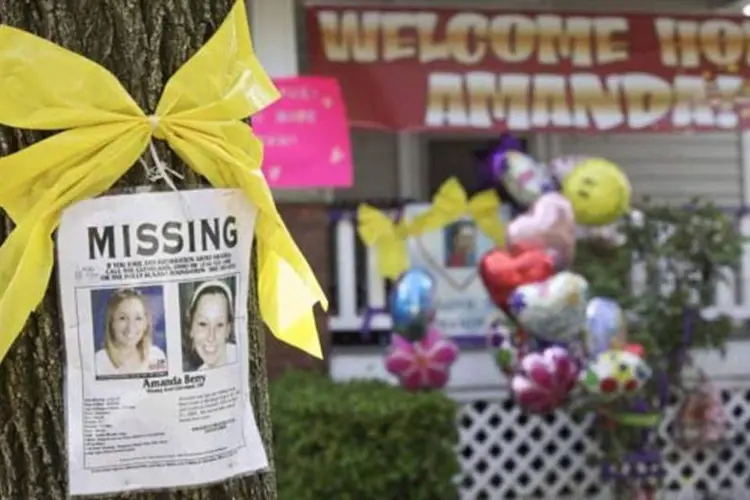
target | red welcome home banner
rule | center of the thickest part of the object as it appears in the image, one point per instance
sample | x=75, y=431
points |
x=437, y=69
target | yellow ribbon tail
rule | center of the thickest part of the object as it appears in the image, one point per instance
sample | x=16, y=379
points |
x=286, y=302
x=26, y=259
x=378, y=230
x=287, y=287
x=392, y=257
x=484, y=208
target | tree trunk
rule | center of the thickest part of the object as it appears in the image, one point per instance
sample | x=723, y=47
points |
x=143, y=43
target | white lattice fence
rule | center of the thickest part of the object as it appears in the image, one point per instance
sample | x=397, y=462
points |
x=506, y=454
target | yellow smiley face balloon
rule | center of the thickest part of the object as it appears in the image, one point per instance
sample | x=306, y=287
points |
x=599, y=192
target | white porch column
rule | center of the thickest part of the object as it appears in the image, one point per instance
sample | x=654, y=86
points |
x=410, y=166
x=275, y=35
x=745, y=166
x=550, y=146
x=744, y=274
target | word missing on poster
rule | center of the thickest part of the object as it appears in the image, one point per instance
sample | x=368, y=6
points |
x=172, y=238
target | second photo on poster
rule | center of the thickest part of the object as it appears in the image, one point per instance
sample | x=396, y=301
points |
x=208, y=311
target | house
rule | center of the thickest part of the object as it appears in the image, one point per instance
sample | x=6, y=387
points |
x=667, y=161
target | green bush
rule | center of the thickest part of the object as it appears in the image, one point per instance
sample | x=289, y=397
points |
x=690, y=249
x=361, y=440
x=686, y=252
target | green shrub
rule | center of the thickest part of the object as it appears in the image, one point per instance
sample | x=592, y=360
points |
x=689, y=249
x=361, y=440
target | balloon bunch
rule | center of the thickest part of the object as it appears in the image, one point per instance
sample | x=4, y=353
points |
x=562, y=339
x=418, y=355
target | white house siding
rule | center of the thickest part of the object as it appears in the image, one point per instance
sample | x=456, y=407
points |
x=375, y=166
x=670, y=168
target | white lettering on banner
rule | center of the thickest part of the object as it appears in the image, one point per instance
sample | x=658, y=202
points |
x=558, y=71
x=479, y=99
x=468, y=37
x=153, y=288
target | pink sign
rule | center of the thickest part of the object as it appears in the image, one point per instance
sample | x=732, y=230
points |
x=306, y=135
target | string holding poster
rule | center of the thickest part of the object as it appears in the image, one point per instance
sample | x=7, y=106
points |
x=451, y=254
x=153, y=289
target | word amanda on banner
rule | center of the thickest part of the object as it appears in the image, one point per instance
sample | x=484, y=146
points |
x=104, y=133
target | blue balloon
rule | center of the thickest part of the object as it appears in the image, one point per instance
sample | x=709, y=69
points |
x=411, y=303
x=605, y=325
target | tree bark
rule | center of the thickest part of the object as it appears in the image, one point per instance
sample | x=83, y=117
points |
x=143, y=42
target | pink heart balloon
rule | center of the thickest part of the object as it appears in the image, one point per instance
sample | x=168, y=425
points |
x=550, y=223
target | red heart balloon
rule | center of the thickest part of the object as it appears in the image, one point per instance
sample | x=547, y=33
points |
x=503, y=271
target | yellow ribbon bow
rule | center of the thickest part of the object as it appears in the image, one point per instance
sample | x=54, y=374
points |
x=46, y=87
x=387, y=237
x=449, y=204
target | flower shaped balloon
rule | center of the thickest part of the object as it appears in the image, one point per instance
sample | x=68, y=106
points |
x=424, y=364
x=545, y=380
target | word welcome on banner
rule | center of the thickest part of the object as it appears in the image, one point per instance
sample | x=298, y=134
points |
x=306, y=135
x=409, y=68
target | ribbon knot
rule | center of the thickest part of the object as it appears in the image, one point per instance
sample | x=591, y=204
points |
x=156, y=129
x=104, y=133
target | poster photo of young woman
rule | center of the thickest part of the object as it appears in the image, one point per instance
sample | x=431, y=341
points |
x=208, y=312
x=129, y=332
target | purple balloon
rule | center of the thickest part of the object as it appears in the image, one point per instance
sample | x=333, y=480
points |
x=488, y=164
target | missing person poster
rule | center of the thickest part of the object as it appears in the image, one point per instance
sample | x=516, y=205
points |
x=153, y=289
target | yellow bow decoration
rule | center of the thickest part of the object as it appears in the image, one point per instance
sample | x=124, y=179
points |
x=388, y=237
x=449, y=204
x=46, y=87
